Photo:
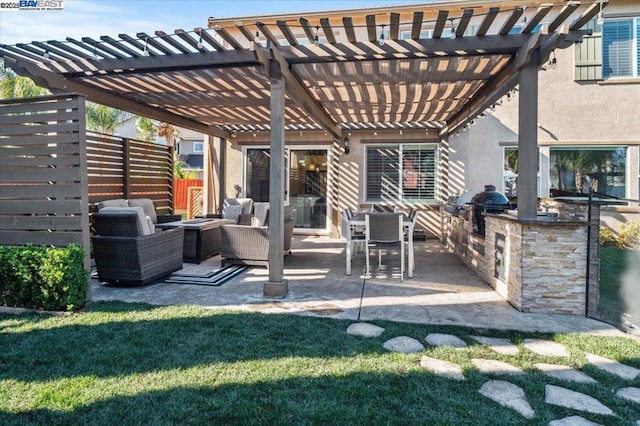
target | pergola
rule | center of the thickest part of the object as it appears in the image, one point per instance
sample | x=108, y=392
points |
x=349, y=71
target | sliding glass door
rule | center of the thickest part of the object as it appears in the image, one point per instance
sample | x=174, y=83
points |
x=306, y=185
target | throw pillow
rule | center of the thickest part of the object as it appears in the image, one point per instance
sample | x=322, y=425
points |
x=231, y=211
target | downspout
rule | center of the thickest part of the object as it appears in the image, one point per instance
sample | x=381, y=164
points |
x=586, y=296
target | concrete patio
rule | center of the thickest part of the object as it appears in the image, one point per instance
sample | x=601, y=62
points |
x=443, y=291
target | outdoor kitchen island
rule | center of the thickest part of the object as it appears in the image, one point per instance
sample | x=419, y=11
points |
x=537, y=265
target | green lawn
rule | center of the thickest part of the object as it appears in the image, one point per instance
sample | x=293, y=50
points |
x=117, y=363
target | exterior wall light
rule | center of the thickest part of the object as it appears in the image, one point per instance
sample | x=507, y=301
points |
x=347, y=145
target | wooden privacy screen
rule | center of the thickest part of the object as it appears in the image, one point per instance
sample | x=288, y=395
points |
x=43, y=172
x=194, y=201
x=128, y=168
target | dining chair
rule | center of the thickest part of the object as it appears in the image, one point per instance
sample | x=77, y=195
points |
x=384, y=231
x=383, y=208
x=413, y=217
x=354, y=235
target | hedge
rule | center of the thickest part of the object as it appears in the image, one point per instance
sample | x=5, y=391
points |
x=52, y=279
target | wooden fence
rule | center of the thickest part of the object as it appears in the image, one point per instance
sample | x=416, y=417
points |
x=181, y=191
x=43, y=178
x=128, y=168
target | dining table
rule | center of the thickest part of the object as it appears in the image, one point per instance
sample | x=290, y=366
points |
x=359, y=221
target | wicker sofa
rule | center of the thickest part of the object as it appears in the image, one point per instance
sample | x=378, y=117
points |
x=249, y=245
x=129, y=251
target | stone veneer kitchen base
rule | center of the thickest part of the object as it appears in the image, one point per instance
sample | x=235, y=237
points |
x=537, y=265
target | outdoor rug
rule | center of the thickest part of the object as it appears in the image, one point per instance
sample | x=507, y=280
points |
x=213, y=278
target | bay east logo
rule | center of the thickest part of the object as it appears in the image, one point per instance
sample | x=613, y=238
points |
x=45, y=4
x=20, y=5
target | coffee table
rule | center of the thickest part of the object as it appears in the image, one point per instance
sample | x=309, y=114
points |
x=201, y=237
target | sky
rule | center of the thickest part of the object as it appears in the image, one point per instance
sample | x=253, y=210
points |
x=94, y=18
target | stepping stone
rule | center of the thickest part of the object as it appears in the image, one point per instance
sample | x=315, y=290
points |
x=403, y=344
x=613, y=367
x=573, y=421
x=632, y=394
x=546, y=347
x=442, y=368
x=557, y=395
x=508, y=395
x=490, y=366
x=439, y=339
x=502, y=346
x=563, y=372
x=365, y=330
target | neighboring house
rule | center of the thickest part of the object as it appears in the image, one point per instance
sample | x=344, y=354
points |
x=189, y=145
x=588, y=133
x=190, y=149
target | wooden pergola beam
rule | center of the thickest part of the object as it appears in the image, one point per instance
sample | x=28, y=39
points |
x=507, y=79
x=56, y=82
x=153, y=41
x=537, y=18
x=347, y=22
x=328, y=31
x=487, y=21
x=288, y=34
x=298, y=93
x=163, y=63
x=394, y=26
x=511, y=21
x=264, y=29
x=416, y=25
x=440, y=23
x=464, y=22
x=371, y=28
x=166, y=38
x=190, y=40
x=306, y=27
x=361, y=51
x=588, y=14
x=563, y=15
x=209, y=39
x=224, y=34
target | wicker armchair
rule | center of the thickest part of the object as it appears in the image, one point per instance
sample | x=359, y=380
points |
x=125, y=255
x=249, y=245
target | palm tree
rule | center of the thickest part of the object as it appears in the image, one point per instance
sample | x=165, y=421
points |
x=15, y=86
x=146, y=128
x=105, y=119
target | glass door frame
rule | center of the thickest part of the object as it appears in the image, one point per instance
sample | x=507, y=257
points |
x=288, y=149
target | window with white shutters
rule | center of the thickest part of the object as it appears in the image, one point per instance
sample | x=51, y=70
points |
x=612, y=51
x=401, y=173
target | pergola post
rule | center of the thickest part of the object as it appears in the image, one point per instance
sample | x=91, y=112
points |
x=208, y=190
x=528, y=140
x=277, y=286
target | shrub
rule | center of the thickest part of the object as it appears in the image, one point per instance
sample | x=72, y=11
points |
x=607, y=237
x=627, y=238
x=43, y=277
